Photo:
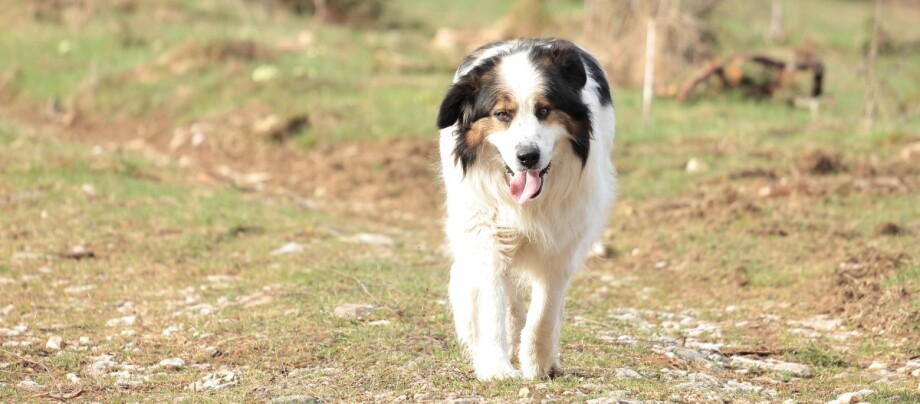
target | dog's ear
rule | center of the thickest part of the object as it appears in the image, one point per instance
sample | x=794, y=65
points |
x=458, y=103
x=565, y=57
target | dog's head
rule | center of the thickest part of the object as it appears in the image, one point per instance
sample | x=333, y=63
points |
x=523, y=101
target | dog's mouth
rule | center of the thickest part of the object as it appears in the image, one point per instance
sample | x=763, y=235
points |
x=526, y=185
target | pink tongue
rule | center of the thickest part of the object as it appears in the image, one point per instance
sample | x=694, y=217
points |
x=525, y=184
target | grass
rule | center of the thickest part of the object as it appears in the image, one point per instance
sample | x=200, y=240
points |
x=192, y=259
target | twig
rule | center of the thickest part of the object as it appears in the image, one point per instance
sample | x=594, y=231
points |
x=63, y=396
x=366, y=291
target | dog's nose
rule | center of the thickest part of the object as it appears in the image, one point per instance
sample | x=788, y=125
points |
x=528, y=155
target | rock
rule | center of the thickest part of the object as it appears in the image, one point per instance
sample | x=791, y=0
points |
x=600, y=250
x=688, y=355
x=694, y=165
x=295, y=400
x=524, y=392
x=876, y=365
x=125, y=321
x=215, y=381
x=910, y=152
x=100, y=365
x=624, y=373
x=794, y=369
x=735, y=386
x=7, y=310
x=612, y=399
x=353, y=311
x=172, y=363
x=851, y=397
x=28, y=384
x=370, y=239
x=289, y=248
x=15, y=331
x=55, y=343
x=73, y=378
x=379, y=323
x=73, y=290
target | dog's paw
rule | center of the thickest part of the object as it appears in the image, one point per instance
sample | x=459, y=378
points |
x=496, y=371
x=533, y=371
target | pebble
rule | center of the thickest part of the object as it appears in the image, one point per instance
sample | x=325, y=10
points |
x=370, y=239
x=55, y=343
x=73, y=378
x=524, y=392
x=100, y=364
x=215, y=381
x=15, y=331
x=794, y=369
x=851, y=397
x=295, y=400
x=624, y=373
x=29, y=384
x=172, y=363
x=353, y=311
x=126, y=321
x=289, y=248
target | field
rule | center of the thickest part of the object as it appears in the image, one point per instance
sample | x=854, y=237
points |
x=221, y=201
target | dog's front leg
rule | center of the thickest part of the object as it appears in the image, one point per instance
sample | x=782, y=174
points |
x=539, y=354
x=478, y=295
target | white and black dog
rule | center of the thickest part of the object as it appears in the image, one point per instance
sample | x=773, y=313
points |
x=526, y=133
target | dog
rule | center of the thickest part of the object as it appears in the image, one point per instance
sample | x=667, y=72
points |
x=526, y=136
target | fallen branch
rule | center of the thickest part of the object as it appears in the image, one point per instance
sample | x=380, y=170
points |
x=62, y=396
x=721, y=69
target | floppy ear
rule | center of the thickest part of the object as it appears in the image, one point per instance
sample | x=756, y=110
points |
x=457, y=104
x=567, y=58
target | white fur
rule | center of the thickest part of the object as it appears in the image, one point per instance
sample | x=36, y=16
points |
x=500, y=248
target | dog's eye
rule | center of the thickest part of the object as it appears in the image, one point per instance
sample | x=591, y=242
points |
x=542, y=113
x=503, y=116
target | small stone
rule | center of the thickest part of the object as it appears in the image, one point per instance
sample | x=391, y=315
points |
x=89, y=190
x=73, y=378
x=55, y=343
x=215, y=381
x=851, y=397
x=289, y=248
x=379, y=323
x=524, y=392
x=794, y=369
x=624, y=373
x=915, y=373
x=295, y=400
x=84, y=341
x=172, y=363
x=694, y=165
x=125, y=321
x=353, y=311
x=370, y=239
x=600, y=250
x=100, y=365
x=7, y=310
x=14, y=331
x=876, y=365
x=29, y=384
x=911, y=152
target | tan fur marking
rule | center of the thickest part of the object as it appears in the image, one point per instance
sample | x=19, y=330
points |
x=485, y=126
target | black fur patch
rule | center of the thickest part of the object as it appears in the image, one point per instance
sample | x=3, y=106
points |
x=563, y=67
x=469, y=99
x=563, y=72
